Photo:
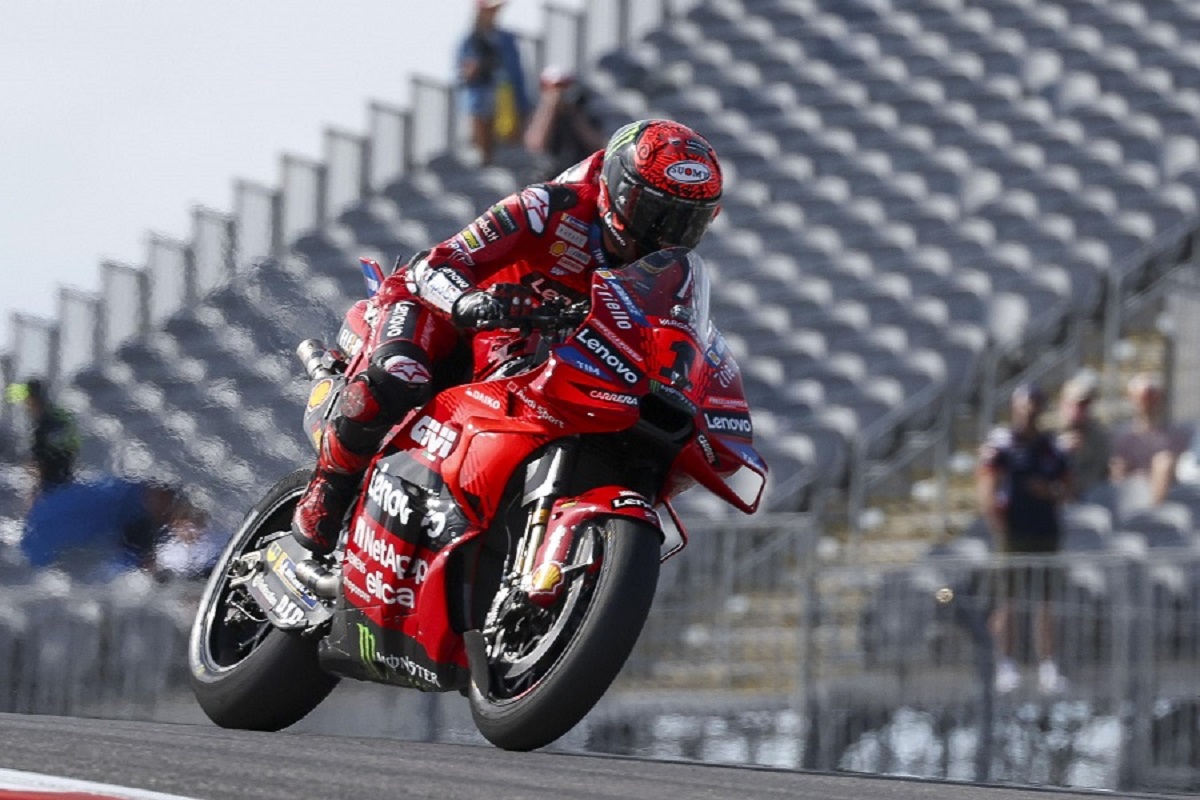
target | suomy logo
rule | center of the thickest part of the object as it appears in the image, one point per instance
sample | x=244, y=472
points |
x=689, y=172
x=608, y=355
x=437, y=439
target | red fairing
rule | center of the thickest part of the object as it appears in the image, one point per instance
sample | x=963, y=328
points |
x=567, y=519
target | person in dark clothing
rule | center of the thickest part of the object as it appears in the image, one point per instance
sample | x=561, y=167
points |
x=55, y=443
x=563, y=130
x=1022, y=480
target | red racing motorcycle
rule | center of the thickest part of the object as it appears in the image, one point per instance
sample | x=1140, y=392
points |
x=507, y=539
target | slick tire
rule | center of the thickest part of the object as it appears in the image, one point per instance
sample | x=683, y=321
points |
x=279, y=680
x=598, y=646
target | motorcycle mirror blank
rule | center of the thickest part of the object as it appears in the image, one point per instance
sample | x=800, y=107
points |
x=372, y=274
x=747, y=484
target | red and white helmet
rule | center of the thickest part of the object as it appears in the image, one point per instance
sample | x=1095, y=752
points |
x=660, y=185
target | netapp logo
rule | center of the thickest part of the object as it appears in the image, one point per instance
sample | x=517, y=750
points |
x=735, y=424
x=608, y=356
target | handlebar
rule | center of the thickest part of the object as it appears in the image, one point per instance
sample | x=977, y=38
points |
x=560, y=317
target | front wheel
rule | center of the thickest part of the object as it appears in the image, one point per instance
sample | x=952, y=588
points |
x=245, y=672
x=549, y=668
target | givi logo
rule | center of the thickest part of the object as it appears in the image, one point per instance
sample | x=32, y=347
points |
x=437, y=439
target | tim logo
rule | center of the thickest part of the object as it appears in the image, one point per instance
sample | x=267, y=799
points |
x=437, y=439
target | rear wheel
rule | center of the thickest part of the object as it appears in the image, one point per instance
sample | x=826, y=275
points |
x=550, y=666
x=245, y=672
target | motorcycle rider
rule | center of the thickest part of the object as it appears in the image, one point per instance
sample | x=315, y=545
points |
x=657, y=184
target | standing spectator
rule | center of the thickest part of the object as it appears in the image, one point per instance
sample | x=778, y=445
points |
x=1083, y=438
x=1022, y=480
x=562, y=127
x=1148, y=448
x=494, y=93
x=55, y=444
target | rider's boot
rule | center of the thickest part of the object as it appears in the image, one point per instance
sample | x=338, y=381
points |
x=317, y=522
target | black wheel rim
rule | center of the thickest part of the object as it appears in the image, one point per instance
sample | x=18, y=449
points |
x=523, y=654
x=234, y=626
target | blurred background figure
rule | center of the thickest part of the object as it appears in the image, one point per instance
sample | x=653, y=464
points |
x=1022, y=481
x=191, y=546
x=494, y=92
x=1146, y=450
x=1083, y=438
x=562, y=131
x=54, y=445
x=93, y=531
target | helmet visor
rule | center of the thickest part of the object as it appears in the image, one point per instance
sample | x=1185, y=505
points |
x=656, y=220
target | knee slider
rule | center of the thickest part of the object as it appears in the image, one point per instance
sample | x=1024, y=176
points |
x=397, y=396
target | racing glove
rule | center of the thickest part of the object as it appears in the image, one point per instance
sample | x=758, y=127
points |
x=503, y=302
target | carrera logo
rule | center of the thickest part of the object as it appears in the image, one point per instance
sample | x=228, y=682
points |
x=608, y=355
x=437, y=439
x=480, y=397
x=689, y=172
x=537, y=207
x=729, y=423
x=613, y=397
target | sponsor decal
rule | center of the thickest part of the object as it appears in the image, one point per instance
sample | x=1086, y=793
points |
x=460, y=255
x=437, y=438
x=537, y=207
x=349, y=341
x=548, y=289
x=616, y=308
x=391, y=499
x=369, y=653
x=504, y=220
x=565, y=266
x=540, y=411
x=729, y=423
x=382, y=550
x=613, y=397
x=570, y=235
x=575, y=223
x=618, y=341
x=320, y=392
x=546, y=578
x=407, y=369
x=631, y=501
x=357, y=591
x=732, y=403
x=709, y=455
x=689, y=172
x=282, y=606
x=558, y=248
x=486, y=230
x=470, y=238
x=456, y=279
x=726, y=374
x=608, y=355
x=260, y=583
x=283, y=566
x=381, y=589
x=479, y=397
x=577, y=360
x=679, y=398
x=354, y=561
x=443, y=287
x=397, y=321
x=578, y=255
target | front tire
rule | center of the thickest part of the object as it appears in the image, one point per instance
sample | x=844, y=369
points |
x=246, y=673
x=600, y=620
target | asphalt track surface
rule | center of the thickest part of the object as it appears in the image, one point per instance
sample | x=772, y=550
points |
x=214, y=764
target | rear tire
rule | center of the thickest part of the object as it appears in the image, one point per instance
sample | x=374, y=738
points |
x=248, y=675
x=598, y=641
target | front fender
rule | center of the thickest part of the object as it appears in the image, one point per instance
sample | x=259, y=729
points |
x=567, y=517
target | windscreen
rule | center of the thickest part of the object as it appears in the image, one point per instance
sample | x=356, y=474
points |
x=672, y=284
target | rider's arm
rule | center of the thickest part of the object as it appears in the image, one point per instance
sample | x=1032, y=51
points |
x=440, y=276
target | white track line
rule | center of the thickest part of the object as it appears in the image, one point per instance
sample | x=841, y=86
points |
x=12, y=779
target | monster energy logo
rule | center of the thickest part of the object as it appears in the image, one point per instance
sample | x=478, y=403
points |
x=623, y=136
x=366, y=649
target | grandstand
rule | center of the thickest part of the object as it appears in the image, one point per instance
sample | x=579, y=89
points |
x=928, y=201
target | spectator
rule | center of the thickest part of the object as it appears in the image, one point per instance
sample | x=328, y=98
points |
x=192, y=546
x=55, y=444
x=494, y=93
x=1148, y=448
x=1083, y=438
x=95, y=530
x=562, y=128
x=1021, y=482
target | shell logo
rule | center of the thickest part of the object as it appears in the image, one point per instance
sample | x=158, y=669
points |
x=319, y=392
x=546, y=578
x=558, y=248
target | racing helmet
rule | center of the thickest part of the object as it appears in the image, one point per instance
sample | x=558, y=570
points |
x=660, y=186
